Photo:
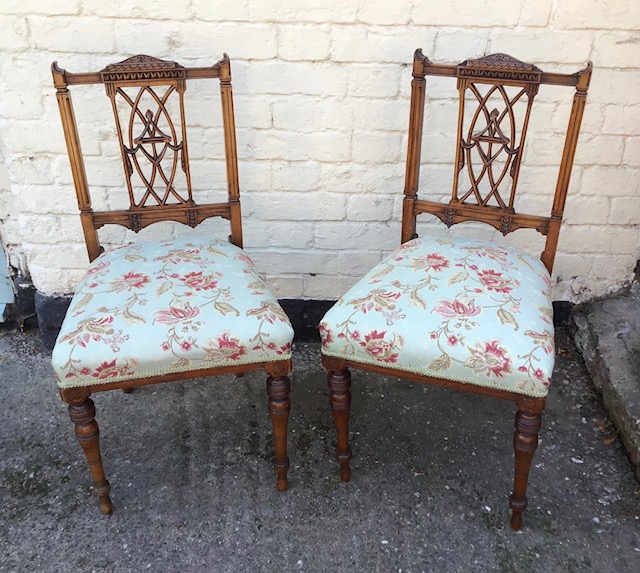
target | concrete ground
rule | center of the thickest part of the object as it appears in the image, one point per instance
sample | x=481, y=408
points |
x=193, y=490
x=608, y=336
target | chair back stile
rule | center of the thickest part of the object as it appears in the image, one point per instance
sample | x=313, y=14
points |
x=150, y=140
x=490, y=141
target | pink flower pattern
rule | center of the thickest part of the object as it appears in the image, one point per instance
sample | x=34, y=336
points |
x=149, y=309
x=471, y=332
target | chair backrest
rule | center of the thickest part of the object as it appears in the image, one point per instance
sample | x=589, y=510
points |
x=489, y=144
x=154, y=150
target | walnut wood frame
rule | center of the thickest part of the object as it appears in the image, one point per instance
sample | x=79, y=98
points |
x=495, y=70
x=143, y=72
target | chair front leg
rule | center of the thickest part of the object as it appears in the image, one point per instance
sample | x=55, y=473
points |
x=525, y=441
x=278, y=387
x=82, y=413
x=339, y=381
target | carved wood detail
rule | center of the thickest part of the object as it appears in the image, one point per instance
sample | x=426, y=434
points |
x=153, y=146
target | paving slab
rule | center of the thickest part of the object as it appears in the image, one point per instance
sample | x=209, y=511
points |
x=193, y=490
x=608, y=336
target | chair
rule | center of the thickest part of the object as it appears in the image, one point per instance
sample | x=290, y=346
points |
x=465, y=314
x=169, y=310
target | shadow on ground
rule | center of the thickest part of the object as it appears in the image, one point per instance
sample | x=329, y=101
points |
x=193, y=490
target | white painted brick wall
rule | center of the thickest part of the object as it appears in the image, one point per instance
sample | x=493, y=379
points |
x=321, y=98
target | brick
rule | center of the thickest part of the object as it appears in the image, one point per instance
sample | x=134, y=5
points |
x=610, y=181
x=51, y=229
x=222, y=10
x=14, y=34
x=440, y=117
x=79, y=34
x=33, y=136
x=587, y=210
x=302, y=261
x=50, y=281
x=597, y=239
x=616, y=50
x=624, y=211
x=382, y=114
x=599, y=150
x=379, y=44
x=277, y=234
x=632, y=152
x=373, y=81
x=456, y=45
x=160, y=43
x=310, y=114
x=535, y=13
x=286, y=286
x=254, y=175
x=593, y=14
x=39, y=7
x=467, y=13
x=327, y=287
x=623, y=120
x=384, y=12
x=196, y=38
x=620, y=87
x=288, y=78
x=138, y=8
x=29, y=169
x=377, y=147
x=357, y=235
x=613, y=269
x=542, y=46
x=60, y=256
x=308, y=42
x=358, y=178
x=369, y=208
x=285, y=145
x=568, y=265
x=294, y=206
x=295, y=176
x=35, y=199
x=321, y=11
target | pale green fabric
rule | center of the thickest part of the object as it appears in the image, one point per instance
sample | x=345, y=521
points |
x=149, y=309
x=464, y=310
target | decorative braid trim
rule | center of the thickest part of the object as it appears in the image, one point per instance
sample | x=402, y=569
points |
x=161, y=372
x=425, y=372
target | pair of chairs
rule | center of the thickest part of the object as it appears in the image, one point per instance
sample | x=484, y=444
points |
x=471, y=315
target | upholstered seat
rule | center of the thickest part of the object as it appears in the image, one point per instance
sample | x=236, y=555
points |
x=151, y=309
x=488, y=323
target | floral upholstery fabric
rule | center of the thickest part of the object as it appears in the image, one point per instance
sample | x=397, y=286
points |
x=463, y=310
x=150, y=309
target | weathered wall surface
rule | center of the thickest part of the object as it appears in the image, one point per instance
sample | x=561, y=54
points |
x=321, y=93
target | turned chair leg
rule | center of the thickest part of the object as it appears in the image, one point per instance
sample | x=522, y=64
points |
x=128, y=390
x=525, y=442
x=278, y=387
x=339, y=382
x=83, y=416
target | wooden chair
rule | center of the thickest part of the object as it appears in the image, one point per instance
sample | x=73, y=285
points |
x=164, y=311
x=470, y=315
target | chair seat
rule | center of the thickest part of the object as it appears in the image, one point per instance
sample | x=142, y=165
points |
x=150, y=309
x=489, y=323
